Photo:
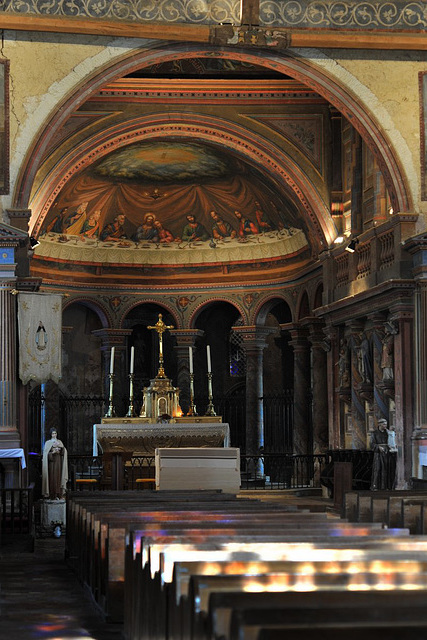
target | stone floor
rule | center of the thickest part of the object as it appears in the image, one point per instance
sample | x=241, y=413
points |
x=40, y=597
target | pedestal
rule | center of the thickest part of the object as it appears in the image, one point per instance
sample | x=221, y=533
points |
x=52, y=513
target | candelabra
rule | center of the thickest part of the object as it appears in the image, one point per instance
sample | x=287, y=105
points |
x=192, y=408
x=210, y=411
x=130, y=413
x=110, y=413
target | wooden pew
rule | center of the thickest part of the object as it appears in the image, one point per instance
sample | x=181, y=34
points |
x=378, y=506
x=320, y=614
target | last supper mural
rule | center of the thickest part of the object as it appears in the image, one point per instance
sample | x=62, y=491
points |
x=153, y=202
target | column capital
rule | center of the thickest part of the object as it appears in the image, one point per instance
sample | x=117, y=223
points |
x=254, y=336
x=186, y=337
x=112, y=337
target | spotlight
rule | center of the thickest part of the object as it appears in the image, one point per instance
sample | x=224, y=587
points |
x=351, y=248
x=34, y=242
x=339, y=240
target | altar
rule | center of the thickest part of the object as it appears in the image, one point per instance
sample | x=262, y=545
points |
x=143, y=439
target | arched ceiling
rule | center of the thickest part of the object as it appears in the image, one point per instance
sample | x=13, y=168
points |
x=230, y=140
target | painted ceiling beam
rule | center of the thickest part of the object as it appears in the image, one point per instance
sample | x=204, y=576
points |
x=212, y=34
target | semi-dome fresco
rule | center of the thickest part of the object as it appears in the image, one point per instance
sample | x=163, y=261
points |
x=148, y=203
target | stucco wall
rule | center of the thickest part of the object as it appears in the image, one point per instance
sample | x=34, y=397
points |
x=47, y=69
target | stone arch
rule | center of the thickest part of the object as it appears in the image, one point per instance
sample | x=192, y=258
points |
x=218, y=132
x=101, y=311
x=318, y=296
x=264, y=307
x=306, y=71
x=159, y=303
x=206, y=303
x=303, y=306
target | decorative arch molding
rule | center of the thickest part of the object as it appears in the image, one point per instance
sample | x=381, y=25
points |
x=255, y=149
x=206, y=303
x=286, y=63
x=265, y=305
x=158, y=303
x=101, y=311
x=303, y=306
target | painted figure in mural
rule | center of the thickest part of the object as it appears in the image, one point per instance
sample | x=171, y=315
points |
x=246, y=226
x=41, y=337
x=384, y=462
x=164, y=235
x=115, y=230
x=58, y=222
x=387, y=352
x=147, y=231
x=90, y=228
x=74, y=222
x=365, y=359
x=194, y=230
x=344, y=364
x=54, y=468
x=263, y=223
x=220, y=228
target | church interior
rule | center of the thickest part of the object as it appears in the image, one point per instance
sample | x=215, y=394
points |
x=213, y=222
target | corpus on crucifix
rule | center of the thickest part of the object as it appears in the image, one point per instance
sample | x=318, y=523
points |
x=160, y=327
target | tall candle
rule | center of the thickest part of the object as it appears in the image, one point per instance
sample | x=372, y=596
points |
x=132, y=358
x=190, y=358
x=208, y=353
x=112, y=360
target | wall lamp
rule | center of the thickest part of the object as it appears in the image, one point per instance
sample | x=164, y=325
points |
x=34, y=242
x=351, y=247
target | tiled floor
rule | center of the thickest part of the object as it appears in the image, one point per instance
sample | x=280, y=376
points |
x=40, y=597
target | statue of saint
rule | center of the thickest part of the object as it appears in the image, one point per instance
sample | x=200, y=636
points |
x=54, y=468
x=383, y=444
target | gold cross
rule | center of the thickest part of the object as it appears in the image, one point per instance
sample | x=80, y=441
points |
x=160, y=327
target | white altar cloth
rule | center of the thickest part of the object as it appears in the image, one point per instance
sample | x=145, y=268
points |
x=14, y=453
x=119, y=434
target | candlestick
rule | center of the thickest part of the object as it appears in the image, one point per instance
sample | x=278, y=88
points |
x=190, y=358
x=130, y=413
x=208, y=354
x=192, y=408
x=110, y=413
x=112, y=360
x=132, y=358
x=210, y=411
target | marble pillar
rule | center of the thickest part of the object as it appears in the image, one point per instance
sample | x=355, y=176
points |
x=185, y=338
x=254, y=341
x=320, y=389
x=302, y=432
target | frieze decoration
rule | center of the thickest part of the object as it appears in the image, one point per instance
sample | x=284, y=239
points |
x=272, y=13
x=348, y=15
x=169, y=11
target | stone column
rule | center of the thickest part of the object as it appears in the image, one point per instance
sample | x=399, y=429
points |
x=320, y=389
x=185, y=338
x=115, y=338
x=254, y=340
x=302, y=433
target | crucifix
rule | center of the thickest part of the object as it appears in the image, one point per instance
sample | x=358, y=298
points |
x=160, y=327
